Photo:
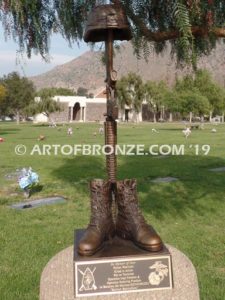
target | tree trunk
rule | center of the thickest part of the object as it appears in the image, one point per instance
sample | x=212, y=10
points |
x=17, y=117
x=139, y=116
x=171, y=117
x=154, y=117
x=136, y=117
x=50, y=120
x=222, y=118
x=163, y=113
x=210, y=116
x=190, y=117
x=160, y=114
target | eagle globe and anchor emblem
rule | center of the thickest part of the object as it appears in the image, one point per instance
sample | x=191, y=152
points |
x=159, y=273
x=88, y=280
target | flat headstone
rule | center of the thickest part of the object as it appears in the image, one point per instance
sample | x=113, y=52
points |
x=14, y=194
x=57, y=280
x=38, y=203
x=13, y=175
x=221, y=169
x=164, y=179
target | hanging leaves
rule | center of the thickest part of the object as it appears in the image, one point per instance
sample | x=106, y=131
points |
x=192, y=27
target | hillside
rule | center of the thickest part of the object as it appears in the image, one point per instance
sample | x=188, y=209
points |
x=88, y=71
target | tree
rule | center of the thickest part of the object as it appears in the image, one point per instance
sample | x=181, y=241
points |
x=211, y=90
x=155, y=95
x=20, y=94
x=2, y=92
x=83, y=92
x=54, y=91
x=203, y=83
x=45, y=103
x=2, y=99
x=172, y=102
x=91, y=95
x=130, y=92
x=192, y=27
x=193, y=103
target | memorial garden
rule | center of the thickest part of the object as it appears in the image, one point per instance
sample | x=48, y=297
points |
x=188, y=213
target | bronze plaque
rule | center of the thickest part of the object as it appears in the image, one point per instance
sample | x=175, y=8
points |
x=135, y=272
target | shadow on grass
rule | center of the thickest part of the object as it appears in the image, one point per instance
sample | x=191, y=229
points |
x=47, y=125
x=80, y=171
x=198, y=190
x=36, y=189
x=9, y=131
x=180, y=128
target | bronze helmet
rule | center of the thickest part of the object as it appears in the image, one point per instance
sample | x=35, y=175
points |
x=104, y=18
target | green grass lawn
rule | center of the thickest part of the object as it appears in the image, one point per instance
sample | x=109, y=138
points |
x=189, y=214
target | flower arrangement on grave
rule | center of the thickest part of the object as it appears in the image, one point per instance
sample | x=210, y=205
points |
x=28, y=180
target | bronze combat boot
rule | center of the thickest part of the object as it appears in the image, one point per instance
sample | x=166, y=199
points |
x=130, y=223
x=101, y=225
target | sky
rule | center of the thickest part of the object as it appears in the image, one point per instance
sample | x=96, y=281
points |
x=60, y=53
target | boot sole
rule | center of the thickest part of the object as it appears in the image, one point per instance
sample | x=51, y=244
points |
x=151, y=248
x=155, y=248
x=90, y=253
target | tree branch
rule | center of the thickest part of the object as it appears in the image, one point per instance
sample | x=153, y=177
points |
x=160, y=36
x=197, y=31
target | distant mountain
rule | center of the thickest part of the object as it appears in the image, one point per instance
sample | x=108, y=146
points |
x=88, y=70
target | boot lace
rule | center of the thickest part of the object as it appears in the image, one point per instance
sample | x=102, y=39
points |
x=129, y=208
x=100, y=207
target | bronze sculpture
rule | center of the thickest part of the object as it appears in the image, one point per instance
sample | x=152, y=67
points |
x=108, y=23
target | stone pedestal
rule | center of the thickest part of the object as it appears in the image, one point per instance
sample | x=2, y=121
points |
x=57, y=280
x=120, y=267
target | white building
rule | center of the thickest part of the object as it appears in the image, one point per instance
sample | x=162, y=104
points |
x=83, y=109
x=76, y=109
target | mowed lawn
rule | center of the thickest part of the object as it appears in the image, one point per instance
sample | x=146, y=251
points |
x=189, y=213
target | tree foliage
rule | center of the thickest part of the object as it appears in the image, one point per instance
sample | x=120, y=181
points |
x=54, y=91
x=195, y=94
x=83, y=92
x=211, y=90
x=193, y=27
x=130, y=91
x=202, y=84
x=45, y=103
x=29, y=23
x=2, y=92
x=192, y=101
x=156, y=93
x=19, y=95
